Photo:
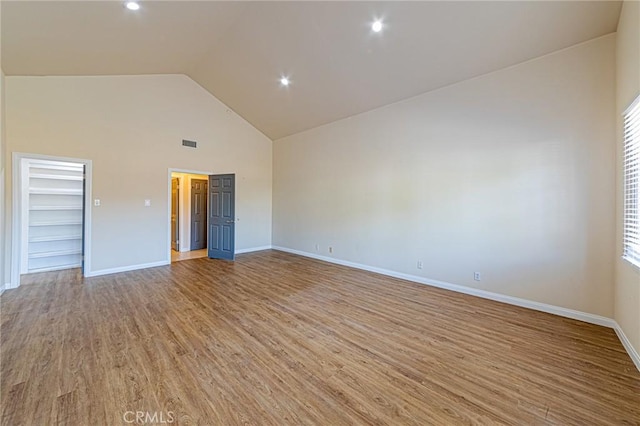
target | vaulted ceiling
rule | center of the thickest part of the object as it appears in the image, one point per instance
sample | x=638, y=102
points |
x=337, y=65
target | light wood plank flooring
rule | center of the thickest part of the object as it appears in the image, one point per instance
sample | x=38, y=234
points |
x=177, y=256
x=276, y=339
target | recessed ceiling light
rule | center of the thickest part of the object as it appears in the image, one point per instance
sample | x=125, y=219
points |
x=376, y=26
x=284, y=81
x=132, y=5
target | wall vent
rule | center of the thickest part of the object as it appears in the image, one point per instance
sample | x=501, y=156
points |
x=190, y=144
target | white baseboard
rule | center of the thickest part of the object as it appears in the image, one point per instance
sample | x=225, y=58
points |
x=2, y=287
x=552, y=309
x=127, y=268
x=249, y=250
x=543, y=307
x=154, y=264
x=627, y=345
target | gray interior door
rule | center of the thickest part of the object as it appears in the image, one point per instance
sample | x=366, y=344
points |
x=175, y=222
x=222, y=226
x=198, y=214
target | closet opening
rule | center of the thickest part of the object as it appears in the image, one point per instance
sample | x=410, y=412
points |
x=51, y=207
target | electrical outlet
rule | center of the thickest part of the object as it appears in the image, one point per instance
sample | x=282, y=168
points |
x=476, y=276
x=419, y=265
x=317, y=247
x=330, y=249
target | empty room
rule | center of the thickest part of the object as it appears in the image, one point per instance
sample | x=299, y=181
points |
x=320, y=212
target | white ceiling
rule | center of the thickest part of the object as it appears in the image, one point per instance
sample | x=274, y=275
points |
x=338, y=67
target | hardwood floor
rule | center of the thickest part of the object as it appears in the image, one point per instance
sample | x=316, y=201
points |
x=177, y=256
x=277, y=339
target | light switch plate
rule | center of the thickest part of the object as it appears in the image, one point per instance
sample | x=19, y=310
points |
x=147, y=203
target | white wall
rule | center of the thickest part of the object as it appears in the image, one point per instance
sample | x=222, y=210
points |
x=509, y=174
x=627, y=277
x=132, y=128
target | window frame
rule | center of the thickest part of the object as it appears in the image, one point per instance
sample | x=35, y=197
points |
x=631, y=183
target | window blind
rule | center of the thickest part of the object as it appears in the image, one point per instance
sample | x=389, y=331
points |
x=631, y=165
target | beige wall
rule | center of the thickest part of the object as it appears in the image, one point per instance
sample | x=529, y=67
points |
x=4, y=270
x=4, y=243
x=131, y=127
x=627, y=277
x=509, y=174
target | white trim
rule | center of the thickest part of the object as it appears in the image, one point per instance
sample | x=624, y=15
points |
x=24, y=218
x=627, y=345
x=192, y=172
x=16, y=196
x=252, y=249
x=633, y=265
x=542, y=307
x=182, y=217
x=169, y=201
x=181, y=235
x=128, y=268
x=631, y=106
x=2, y=287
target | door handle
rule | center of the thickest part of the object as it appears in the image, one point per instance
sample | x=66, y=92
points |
x=230, y=221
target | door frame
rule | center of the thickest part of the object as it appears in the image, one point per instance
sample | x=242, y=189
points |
x=17, y=197
x=178, y=215
x=180, y=202
x=191, y=223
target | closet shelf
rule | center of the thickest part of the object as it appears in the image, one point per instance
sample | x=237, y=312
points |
x=55, y=268
x=55, y=191
x=52, y=208
x=55, y=177
x=54, y=253
x=54, y=238
x=60, y=223
x=34, y=164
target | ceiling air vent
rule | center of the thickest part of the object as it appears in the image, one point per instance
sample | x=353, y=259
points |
x=190, y=144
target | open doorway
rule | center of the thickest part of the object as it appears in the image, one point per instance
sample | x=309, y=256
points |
x=189, y=212
x=204, y=223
